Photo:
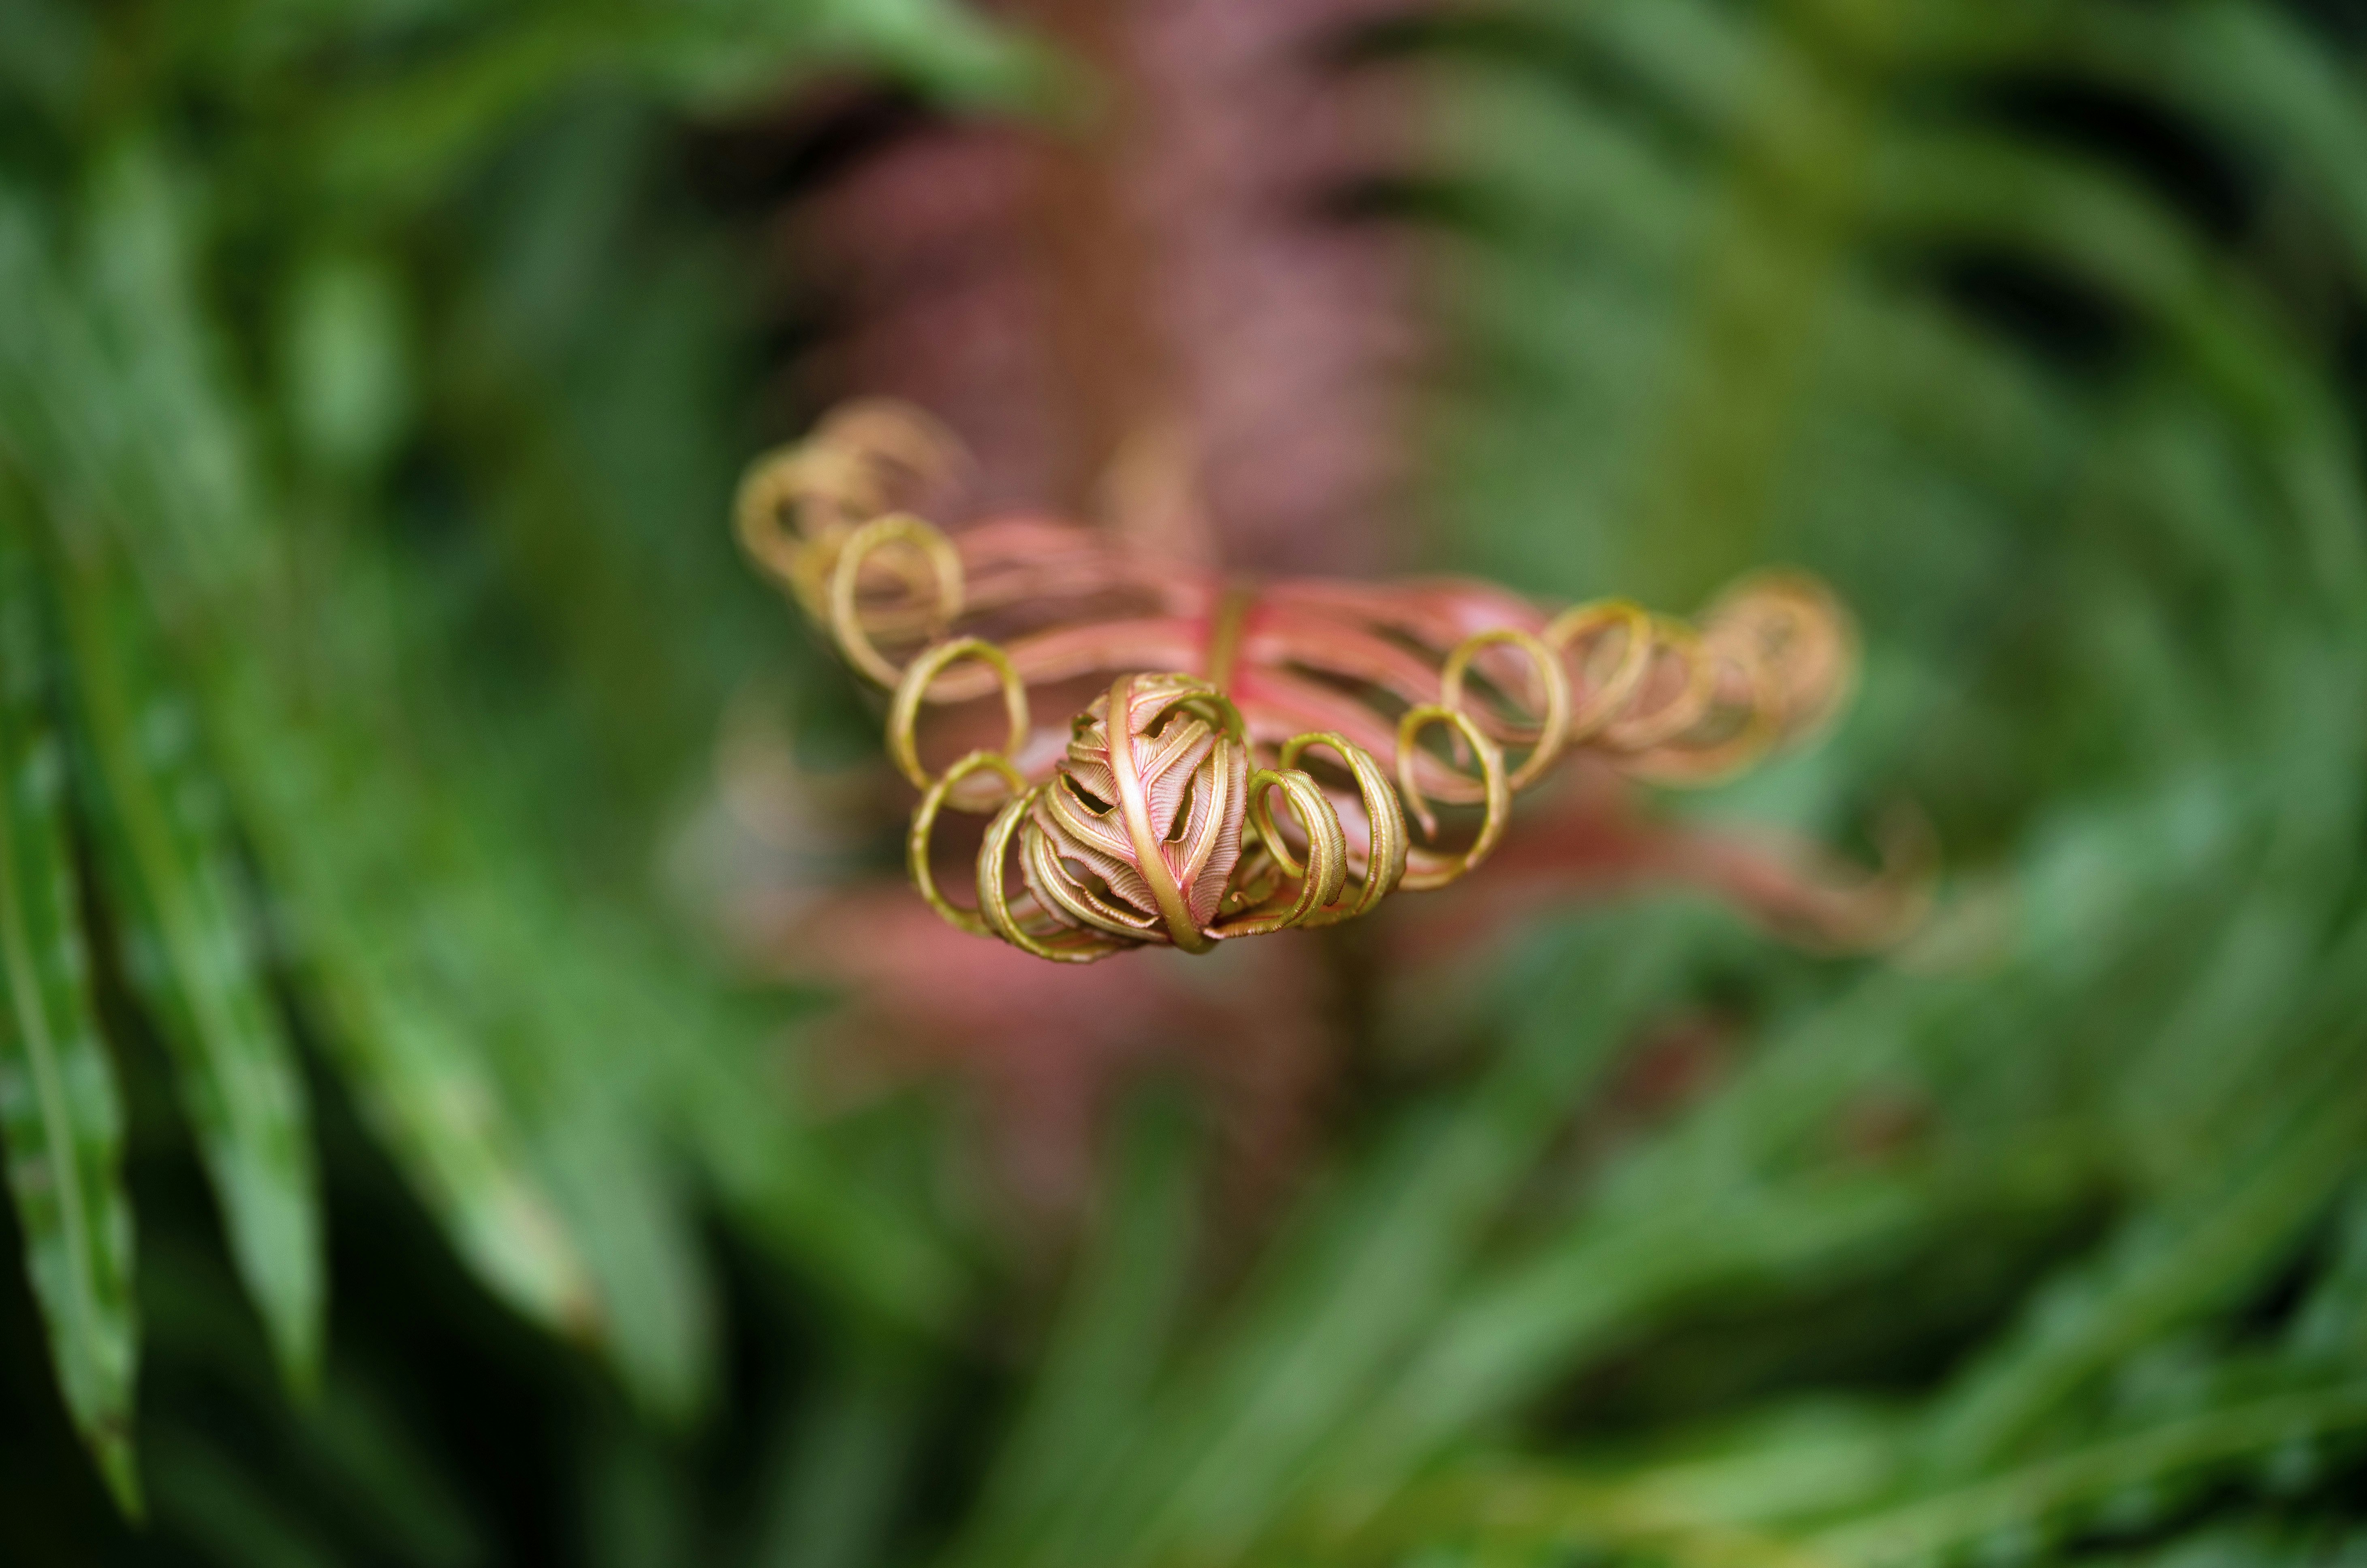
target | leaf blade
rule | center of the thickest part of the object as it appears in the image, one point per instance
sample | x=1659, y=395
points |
x=167, y=859
x=426, y=1096
x=59, y=1110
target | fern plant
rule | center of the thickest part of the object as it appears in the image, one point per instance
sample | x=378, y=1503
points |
x=371, y=383
x=233, y=824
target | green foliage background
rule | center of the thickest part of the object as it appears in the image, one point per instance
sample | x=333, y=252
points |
x=370, y=391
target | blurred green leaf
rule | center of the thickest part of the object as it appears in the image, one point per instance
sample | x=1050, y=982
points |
x=230, y=1518
x=191, y=958
x=1115, y=1332
x=2035, y=1496
x=831, y=1489
x=59, y=1104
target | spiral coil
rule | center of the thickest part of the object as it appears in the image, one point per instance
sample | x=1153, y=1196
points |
x=1156, y=823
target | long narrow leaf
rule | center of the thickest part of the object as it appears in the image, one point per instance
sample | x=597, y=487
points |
x=420, y=1086
x=163, y=833
x=1110, y=1342
x=59, y=1107
x=1918, y=1531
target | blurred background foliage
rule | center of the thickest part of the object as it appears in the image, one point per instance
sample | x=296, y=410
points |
x=402, y=1177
